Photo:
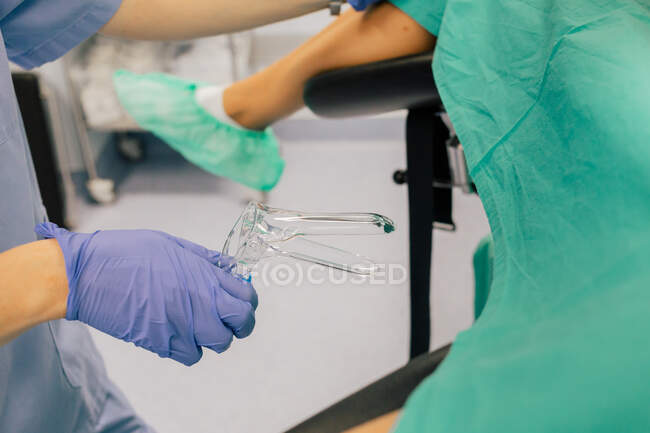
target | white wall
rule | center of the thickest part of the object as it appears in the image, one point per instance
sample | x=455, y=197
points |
x=275, y=40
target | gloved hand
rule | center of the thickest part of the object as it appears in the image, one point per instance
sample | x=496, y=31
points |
x=160, y=292
x=360, y=5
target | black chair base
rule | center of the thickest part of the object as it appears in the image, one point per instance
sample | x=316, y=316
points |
x=377, y=399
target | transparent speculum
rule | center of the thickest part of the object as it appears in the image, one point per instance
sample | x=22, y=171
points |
x=262, y=232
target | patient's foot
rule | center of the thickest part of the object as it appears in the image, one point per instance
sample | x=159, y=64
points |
x=239, y=105
x=201, y=131
x=211, y=99
x=247, y=106
x=262, y=99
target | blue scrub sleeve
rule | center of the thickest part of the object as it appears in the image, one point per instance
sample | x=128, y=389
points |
x=39, y=31
x=427, y=13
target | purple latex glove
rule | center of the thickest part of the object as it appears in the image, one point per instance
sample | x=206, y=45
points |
x=360, y=5
x=160, y=292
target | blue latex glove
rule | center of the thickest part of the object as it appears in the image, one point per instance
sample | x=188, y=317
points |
x=160, y=292
x=360, y=5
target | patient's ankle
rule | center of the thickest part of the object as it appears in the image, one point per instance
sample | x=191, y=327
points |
x=241, y=108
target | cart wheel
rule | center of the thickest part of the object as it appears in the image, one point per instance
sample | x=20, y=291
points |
x=130, y=148
x=400, y=177
x=101, y=190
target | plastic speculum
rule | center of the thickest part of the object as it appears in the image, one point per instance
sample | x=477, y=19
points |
x=262, y=232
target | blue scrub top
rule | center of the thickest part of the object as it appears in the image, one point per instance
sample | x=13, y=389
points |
x=52, y=378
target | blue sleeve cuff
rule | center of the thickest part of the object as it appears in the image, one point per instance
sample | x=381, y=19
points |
x=93, y=18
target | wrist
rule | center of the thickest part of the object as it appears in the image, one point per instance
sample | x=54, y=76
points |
x=46, y=290
x=33, y=287
x=55, y=280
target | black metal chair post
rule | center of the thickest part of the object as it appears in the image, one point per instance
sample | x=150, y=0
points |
x=404, y=83
x=426, y=137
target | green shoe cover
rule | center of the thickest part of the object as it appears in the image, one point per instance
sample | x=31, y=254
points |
x=166, y=106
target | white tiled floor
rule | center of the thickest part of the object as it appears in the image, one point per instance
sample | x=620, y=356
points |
x=313, y=344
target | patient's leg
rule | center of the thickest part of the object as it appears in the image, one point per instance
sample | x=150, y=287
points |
x=383, y=32
x=381, y=424
x=176, y=108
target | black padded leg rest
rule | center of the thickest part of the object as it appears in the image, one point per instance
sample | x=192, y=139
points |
x=380, y=87
x=379, y=398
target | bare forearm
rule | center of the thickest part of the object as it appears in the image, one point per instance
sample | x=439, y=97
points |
x=33, y=287
x=171, y=19
x=383, y=32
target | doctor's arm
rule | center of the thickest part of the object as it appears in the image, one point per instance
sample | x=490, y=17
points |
x=33, y=287
x=160, y=292
x=171, y=19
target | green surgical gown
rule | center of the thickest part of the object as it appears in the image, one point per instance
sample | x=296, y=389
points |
x=551, y=100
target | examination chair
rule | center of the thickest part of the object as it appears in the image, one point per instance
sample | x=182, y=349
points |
x=435, y=164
